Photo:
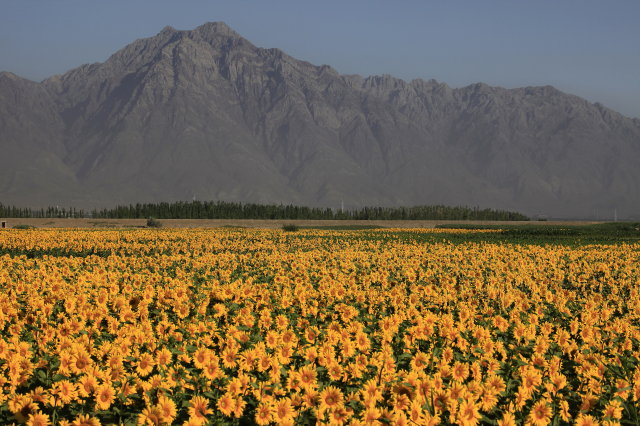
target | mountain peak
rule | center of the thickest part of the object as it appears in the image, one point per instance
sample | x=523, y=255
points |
x=15, y=79
x=168, y=29
x=216, y=28
x=9, y=75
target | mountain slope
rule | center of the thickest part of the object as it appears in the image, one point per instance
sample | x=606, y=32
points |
x=31, y=145
x=206, y=113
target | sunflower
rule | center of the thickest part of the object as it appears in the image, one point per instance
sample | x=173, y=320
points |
x=371, y=392
x=585, y=420
x=66, y=360
x=362, y=342
x=87, y=385
x=488, y=400
x=564, y=411
x=127, y=388
x=419, y=361
x=38, y=395
x=283, y=411
x=85, y=420
x=272, y=339
x=460, y=372
x=540, y=413
x=468, y=413
x=145, y=365
x=531, y=378
x=65, y=391
x=400, y=419
x=247, y=360
x=105, y=395
x=340, y=416
x=456, y=391
x=559, y=381
x=311, y=334
x=38, y=419
x=264, y=363
x=330, y=398
x=386, y=416
x=150, y=416
x=212, y=370
x=198, y=409
x=401, y=402
x=229, y=357
x=235, y=387
x=310, y=399
x=508, y=419
x=496, y=383
x=307, y=377
x=622, y=389
x=239, y=407
x=588, y=402
x=311, y=354
x=168, y=410
x=440, y=400
x=282, y=321
x=288, y=337
x=263, y=414
x=226, y=404
x=116, y=374
x=416, y=411
x=335, y=372
x=81, y=362
x=371, y=415
x=115, y=361
x=347, y=348
x=201, y=357
x=613, y=410
x=163, y=357
x=447, y=355
x=293, y=382
x=284, y=354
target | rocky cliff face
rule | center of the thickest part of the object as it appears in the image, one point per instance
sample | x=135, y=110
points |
x=206, y=113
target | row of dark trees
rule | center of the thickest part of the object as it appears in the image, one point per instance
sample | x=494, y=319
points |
x=49, y=212
x=229, y=210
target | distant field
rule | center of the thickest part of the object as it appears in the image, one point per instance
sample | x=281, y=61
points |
x=567, y=233
x=262, y=223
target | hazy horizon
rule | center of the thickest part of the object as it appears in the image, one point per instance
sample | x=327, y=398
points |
x=586, y=48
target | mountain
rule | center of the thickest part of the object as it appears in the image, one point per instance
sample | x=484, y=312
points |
x=206, y=113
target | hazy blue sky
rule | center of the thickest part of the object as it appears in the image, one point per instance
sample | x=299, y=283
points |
x=587, y=47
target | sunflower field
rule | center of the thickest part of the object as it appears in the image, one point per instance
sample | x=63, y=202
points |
x=238, y=326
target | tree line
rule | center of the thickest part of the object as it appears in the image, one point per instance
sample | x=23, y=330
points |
x=49, y=212
x=233, y=210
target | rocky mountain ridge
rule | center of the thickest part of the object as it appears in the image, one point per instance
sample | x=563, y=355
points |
x=206, y=114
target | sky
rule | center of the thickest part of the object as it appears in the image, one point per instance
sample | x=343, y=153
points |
x=590, y=48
